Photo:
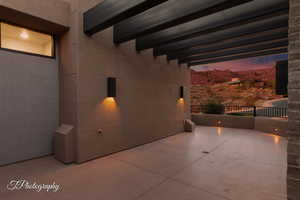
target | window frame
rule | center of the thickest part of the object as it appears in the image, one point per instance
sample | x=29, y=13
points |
x=53, y=50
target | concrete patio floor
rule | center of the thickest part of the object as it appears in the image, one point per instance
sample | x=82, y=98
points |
x=210, y=164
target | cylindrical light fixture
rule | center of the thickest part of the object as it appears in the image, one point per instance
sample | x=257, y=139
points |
x=111, y=87
x=181, y=92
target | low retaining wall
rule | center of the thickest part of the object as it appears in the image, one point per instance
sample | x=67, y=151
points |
x=264, y=124
x=271, y=125
x=224, y=121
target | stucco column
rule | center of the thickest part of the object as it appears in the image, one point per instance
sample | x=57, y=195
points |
x=293, y=176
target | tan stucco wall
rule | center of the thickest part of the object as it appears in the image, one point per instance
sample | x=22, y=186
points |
x=146, y=107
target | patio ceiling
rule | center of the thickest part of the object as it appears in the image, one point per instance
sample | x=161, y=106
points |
x=218, y=36
x=235, y=57
x=196, y=32
x=247, y=39
x=110, y=12
x=240, y=50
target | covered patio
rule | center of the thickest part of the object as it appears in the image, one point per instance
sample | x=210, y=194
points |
x=212, y=163
x=119, y=77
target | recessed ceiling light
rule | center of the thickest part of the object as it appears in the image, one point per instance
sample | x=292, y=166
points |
x=24, y=35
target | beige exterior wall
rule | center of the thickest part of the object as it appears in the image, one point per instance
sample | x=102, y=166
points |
x=146, y=107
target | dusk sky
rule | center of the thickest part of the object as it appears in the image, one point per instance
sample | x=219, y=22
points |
x=244, y=64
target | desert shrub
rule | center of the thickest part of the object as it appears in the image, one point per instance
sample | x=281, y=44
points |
x=213, y=106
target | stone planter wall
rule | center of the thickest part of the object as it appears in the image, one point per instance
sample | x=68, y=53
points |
x=271, y=125
x=264, y=124
x=223, y=121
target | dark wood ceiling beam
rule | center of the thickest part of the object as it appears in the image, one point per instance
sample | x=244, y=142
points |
x=236, y=16
x=240, y=50
x=169, y=14
x=258, y=38
x=111, y=12
x=242, y=56
x=252, y=28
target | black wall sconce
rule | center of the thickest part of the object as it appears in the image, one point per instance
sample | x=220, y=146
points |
x=181, y=92
x=111, y=87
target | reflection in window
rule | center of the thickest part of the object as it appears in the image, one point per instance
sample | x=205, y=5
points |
x=25, y=40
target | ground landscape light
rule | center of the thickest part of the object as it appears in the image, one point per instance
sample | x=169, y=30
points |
x=219, y=123
x=111, y=87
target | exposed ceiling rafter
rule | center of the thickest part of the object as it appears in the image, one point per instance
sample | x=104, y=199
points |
x=257, y=38
x=169, y=14
x=195, y=31
x=255, y=27
x=111, y=12
x=236, y=16
x=240, y=50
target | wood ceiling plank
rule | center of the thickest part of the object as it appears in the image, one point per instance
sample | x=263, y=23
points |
x=240, y=50
x=255, y=27
x=236, y=16
x=266, y=36
x=166, y=15
x=111, y=12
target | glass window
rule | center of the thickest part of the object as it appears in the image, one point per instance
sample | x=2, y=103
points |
x=25, y=40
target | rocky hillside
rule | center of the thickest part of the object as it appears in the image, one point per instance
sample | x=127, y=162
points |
x=218, y=76
x=255, y=87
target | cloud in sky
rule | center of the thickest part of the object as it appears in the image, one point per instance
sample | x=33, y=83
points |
x=244, y=64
